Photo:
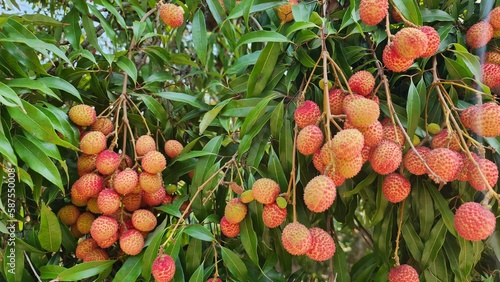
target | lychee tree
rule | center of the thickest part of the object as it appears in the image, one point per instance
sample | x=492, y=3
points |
x=250, y=141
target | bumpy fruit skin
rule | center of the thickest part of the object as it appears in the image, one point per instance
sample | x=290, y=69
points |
x=84, y=247
x=156, y=198
x=483, y=119
x=433, y=128
x=96, y=254
x=108, y=201
x=235, y=211
x=309, y=139
x=490, y=75
x=307, y=114
x=372, y=134
x=495, y=18
x=68, y=214
x=474, y=222
x=153, y=162
x=336, y=98
x=265, y=190
x=107, y=162
x=214, y=280
x=82, y=115
x=362, y=82
x=150, y=182
x=413, y=163
x=361, y=112
x=410, y=43
x=446, y=139
x=489, y=170
x=318, y=162
x=319, y=193
x=229, y=229
x=394, y=134
x=386, y=157
x=77, y=198
x=163, y=268
x=372, y=12
x=131, y=242
x=92, y=205
x=348, y=168
x=125, y=181
x=393, y=61
x=492, y=58
x=235, y=187
x=143, y=220
x=172, y=15
x=89, y=185
x=93, y=143
x=479, y=34
x=285, y=11
x=173, y=148
x=396, y=187
x=84, y=222
x=144, y=144
x=273, y=216
x=103, y=227
x=86, y=164
x=347, y=143
x=296, y=238
x=403, y=273
x=132, y=201
x=322, y=245
x=445, y=163
x=103, y=124
x=433, y=41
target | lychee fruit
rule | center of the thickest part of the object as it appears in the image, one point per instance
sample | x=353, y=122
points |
x=96, y=254
x=77, y=198
x=84, y=222
x=108, y=242
x=143, y=220
x=75, y=232
x=336, y=98
x=125, y=181
x=131, y=242
x=347, y=143
x=372, y=134
x=322, y=245
x=433, y=41
x=479, y=34
x=394, y=133
x=285, y=11
x=446, y=139
x=319, y=193
x=247, y=196
x=103, y=124
x=163, y=268
x=86, y=164
x=309, y=139
x=229, y=229
x=492, y=58
x=361, y=112
x=84, y=247
x=108, y=201
x=445, y=163
x=318, y=162
x=172, y=15
x=474, y=222
x=489, y=170
x=132, y=201
x=107, y=162
x=265, y=190
x=490, y=75
x=93, y=143
x=235, y=187
x=92, y=205
x=173, y=148
x=150, y=182
x=68, y=214
x=144, y=144
x=82, y=115
x=386, y=157
x=235, y=211
x=393, y=61
x=494, y=18
x=273, y=216
x=410, y=43
x=296, y=238
x=403, y=273
x=307, y=114
x=103, y=227
x=155, y=198
x=467, y=166
x=396, y=187
x=483, y=119
x=348, y=168
x=413, y=163
x=89, y=185
x=372, y=12
x=153, y=162
x=362, y=82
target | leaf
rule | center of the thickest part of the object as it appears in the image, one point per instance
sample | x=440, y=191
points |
x=263, y=69
x=434, y=244
x=130, y=270
x=192, y=155
x=255, y=114
x=72, y=28
x=261, y=36
x=243, y=62
x=410, y=10
x=199, y=232
x=128, y=67
x=152, y=250
x=412, y=110
x=85, y=270
x=234, y=264
x=431, y=15
x=249, y=239
x=183, y=98
x=199, y=34
x=33, y=84
x=198, y=275
x=467, y=59
x=49, y=236
x=6, y=148
x=194, y=253
x=91, y=35
x=61, y=84
x=9, y=97
x=211, y=115
x=50, y=271
x=412, y=240
x=442, y=205
x=155, y=107
x=361, y=185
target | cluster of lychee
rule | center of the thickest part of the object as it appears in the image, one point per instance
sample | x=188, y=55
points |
x=113, y=199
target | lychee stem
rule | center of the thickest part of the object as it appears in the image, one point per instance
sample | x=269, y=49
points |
x=405, y=21
x=400, y=225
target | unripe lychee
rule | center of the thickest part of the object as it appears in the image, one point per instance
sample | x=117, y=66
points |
x=89, y=185
x=172, y=15
x=393, y=61
x=173, y=148
x=281, y=202
x=396, y=187
x=163, y=268
x=132, y=201
x=322, y=245
x=96, y=254
x=362, y=82
x=372, y=12
x=474, y=222
x=229, y=229
x=235, y=211
x=433, y=41
x=143, y=220
x=309, y=139
x=483, y=119
x=386, y=157
x=410, y=43
x=153, y=162
x=103, y=124
x=307, y=114
x=446, y=139
x=108, y=201
x=86, y=164
x=361, y=112
x=84, y=222
x=479, y=34
x=125, y=181
x=413, y=163
x=403, y=273
x=68, y=214
x=172, y=188
x=273, y=216
x=103, y=227
x=247, y=196
x=336, y=98
x=494, y=18
x=296, y=238
x=107, y=162
x=84, y=247
x=433, y=128
x=265, y=190
x=155, y=198
x=144, y=144
x=82, y=115
x=347, y=143
x=92, y=205
x=150, y=182
x=93, y=143
x=285, y=11
x=489, y=170
x=131, y=242
x=490, y=75
x=348, y=168
x=75, y=232
x=445, y=163
x=319, y=193
x=235, y=187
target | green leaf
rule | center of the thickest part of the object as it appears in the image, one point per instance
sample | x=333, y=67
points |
x=465, y=58
x=8, y=97
x=211, y=115
x=85, y=270
x=249, y=239
x=72, y=28
x=412, y=110
x=410, y=10
x=442, y=205
x=194, y=253
x=412, y=240
x=255, y=114
x=434, y=244
x=61, y=84
x=33, y=84
x=192, y=155
x=200, y=39
x=49, y=236
x=50, y=271
x=198, y=275
x=155, y=107
x=234, y=264
x=130, y=270
x=91, y=35
x=277, y=119
x=261, y=36
x=6, y=148
x=361, y=185
x=263, y=69
x=183, y=98
x=243, y=62
x=432, y=15
x=199, y=232
x=152, y=249
x=128, y=67
x=35, y=158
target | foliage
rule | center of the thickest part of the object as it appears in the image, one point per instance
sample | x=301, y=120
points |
x=226, y=84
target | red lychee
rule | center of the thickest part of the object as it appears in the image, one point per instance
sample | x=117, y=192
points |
x=153, y=162
x=82, y=115
x=489, y=170
x=103, y=124
x=479, y=34
x=410, y=43
x=229, y=229
x=273, y=216
x=265, y=190
x=103, y=227
x=433, y=41
x=372, y=12
x=445, y=163
x=143, y=220
x=361, y=112
x=322, y=245
x=132, y=242
x=173, y=148
x=474, y=222
x=307, y=114
x=386, y=157
x=393, y=61
x=347, y=143
x=108, y=201
x=107, y=162
x=68, y=214
x=144, y=144
x=163, y=268
x=296, y=238
x=235, y=211
x=319, y=193
x=125, y=181
x=396, y=187
x=362, y=82
x=403, y=273
x=413, y=163
x=336, y=98
x=490, y=75
x=93, y=143
x=309, y=139
x=172, y=15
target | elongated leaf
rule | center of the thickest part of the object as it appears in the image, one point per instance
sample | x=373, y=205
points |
x=412, y=110
x=155, y=107
x=442, y=205
x=198, y=275
x=152, y=250
x=255, y=114
x=261, y=36
x=234, y=264
x=249, y=239
x=49, y=236
x=6, y=148
x=61, y=84
x=128, y=67
x=410, y=10
x=434, y=244
x=211, y=115
x=199, y=232
x=85, y=270
x=32, y=84
x=263, y=69
x=8, y=97
x=50, y=271
x=200, y=40
x=183, y=98
x=130, y=270
x=412, y=240
x=194, y=253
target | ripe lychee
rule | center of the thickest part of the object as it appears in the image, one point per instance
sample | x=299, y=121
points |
x=144, y=144
x=492, y=58
x=273, y=216
x=362, y=82
x=103, y=227
x=322, y=245
x=173, y=148
x=372, y=134
x=319, y=193
x=84, y=247
x=108, y=242
x=155, y=198
x=410, y=43
x=235, y=211
x=394, y=133
x=77, y=198
x=386, y=157
x=125, y=181
x=296, y=238
x=483, y=119
x=396, y=187
x=334, y=175
x=108, y=201
x=307, y=114
x=318, y=162
x=372, y=12
x=336, y=98
x=494, y=18
x=413, y=163
x=103, y=124
x=403, y=273
x=172, y=15
x=82, y=115
x=163, y=268
x=393, y=61
x=84, y=222
x=68, y=214
x=96, y=254
x=153, y=162
x=347, y=143
x=474, y=222
x=309, y=139
x=131, y=242
x=89, y=185
x=107, y=162
x=92, y=205
x=235, y=187
x=285, y=11
x=348, y=168
x=445, y=163
x=75, y=232
x=143, y=220
x=479, y=34
x=489, y=170
x=361, y=112
x=468, y=165
x=229, y=229
x=132, y=201
x=265, y=190
x=86, y=164
x=490, y=75
x=433, y=41
x=150, y=182
x=446, y=139
x=93, y=143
